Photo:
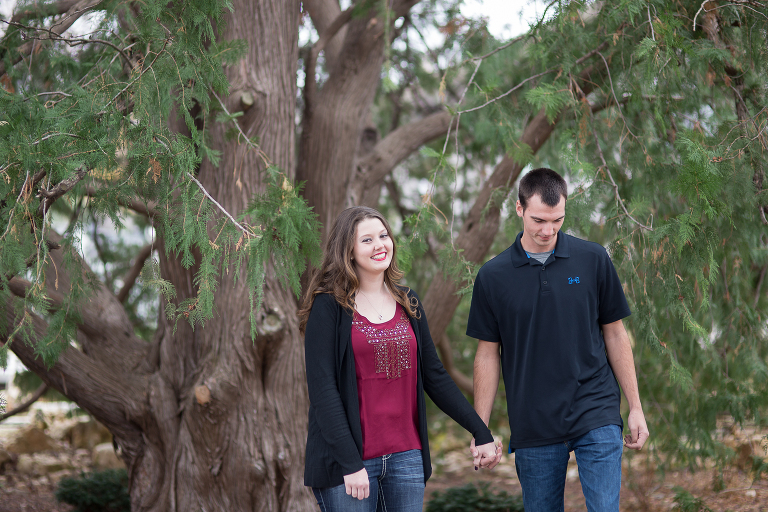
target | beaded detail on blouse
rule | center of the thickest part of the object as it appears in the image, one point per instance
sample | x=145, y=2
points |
x=390, y=344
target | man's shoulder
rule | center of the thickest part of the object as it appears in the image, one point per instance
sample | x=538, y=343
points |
x=502, y=262
x=580, y=247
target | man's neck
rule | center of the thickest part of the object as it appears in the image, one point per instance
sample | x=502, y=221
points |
x=531, y=247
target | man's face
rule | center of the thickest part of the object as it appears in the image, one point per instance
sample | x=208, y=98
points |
x=541, y=224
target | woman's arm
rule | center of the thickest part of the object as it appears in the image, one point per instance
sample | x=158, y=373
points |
x=320, y=349
x=444, y=392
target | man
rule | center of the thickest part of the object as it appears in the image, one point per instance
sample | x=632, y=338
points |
x=548, y=313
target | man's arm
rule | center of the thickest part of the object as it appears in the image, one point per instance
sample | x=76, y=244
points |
x=619, y=352
x=486, y=377
x=486, y=383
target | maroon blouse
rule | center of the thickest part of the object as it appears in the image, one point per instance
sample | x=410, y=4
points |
x=385, y=364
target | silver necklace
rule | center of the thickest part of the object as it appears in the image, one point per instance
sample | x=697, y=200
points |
x=381, y=317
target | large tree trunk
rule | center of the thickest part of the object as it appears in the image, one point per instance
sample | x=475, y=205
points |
x=206, y=419
x=232, y=410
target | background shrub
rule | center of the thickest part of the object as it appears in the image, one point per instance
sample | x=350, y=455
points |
x=471, y=498
x=100, y=491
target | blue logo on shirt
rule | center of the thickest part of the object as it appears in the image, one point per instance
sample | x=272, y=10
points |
x=573, y=280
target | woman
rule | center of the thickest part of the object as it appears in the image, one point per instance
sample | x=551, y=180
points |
x=369, y=358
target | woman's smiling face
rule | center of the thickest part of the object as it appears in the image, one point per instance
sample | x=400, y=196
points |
x=372, y=252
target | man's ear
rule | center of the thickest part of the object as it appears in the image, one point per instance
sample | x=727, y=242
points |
x=519, y=208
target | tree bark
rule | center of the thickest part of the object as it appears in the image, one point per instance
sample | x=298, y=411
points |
x=335, y=116
x=205, y=419
x=390, y=151
x=232, y=410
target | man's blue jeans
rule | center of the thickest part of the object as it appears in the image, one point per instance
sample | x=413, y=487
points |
x=397, y=485
x=541, y=471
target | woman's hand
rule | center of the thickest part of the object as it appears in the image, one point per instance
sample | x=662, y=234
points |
x=486, y=455
x=357, y=484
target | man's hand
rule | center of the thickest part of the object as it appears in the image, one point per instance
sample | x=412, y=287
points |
x=357, y=484
x=638, y=430
x=486, y=455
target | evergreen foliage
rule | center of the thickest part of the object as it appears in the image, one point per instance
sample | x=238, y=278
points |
x=470, y=497
x=100, y=491
x=666, y=159
x=686, y=502
x=93, y=124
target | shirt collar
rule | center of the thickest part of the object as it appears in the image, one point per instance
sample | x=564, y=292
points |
x=520, y=257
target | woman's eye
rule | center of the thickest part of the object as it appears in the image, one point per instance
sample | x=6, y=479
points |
x=385, y=235
x=366, y=240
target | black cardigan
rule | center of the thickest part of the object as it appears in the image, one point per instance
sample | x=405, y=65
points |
x=335, y=437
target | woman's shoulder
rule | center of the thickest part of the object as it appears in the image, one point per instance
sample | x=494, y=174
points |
x=325, y=299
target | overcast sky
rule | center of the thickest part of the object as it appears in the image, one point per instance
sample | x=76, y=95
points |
x=504, y=18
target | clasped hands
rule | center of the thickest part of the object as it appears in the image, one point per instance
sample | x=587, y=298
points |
x=486, y=455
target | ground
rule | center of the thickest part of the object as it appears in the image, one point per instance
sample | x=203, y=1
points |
x=644, y=487
x=643, y=490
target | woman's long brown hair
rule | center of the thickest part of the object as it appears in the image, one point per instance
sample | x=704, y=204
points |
x=337, y=274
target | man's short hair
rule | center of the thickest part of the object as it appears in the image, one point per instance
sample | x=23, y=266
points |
x=546, y=183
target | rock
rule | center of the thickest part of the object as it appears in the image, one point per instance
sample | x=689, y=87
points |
x=41, y=464
x=87, y=435
x=60, y=427
x=104, y=457
x=25, y=465
x=30, y=440
x=47, y=464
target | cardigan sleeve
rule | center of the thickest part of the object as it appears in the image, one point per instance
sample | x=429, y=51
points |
x=443, y=391
x=321, y=348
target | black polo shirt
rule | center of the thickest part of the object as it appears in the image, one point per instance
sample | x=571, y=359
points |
x=547, y=318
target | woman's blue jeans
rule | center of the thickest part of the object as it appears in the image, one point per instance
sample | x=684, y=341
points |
x=541, y=471
x=397, y=485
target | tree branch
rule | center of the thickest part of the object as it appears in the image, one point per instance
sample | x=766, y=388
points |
x=25, y=405
x=72, y=14
x=130, y=278
x=245, y=230
x=64, y=186
x=510, y=91
x=394, y=195
x=90, y=324
x=44, y=10
x=446, y=356
x=50, y=35
x=310, y=85
x=323, y=13
x=396, y=147
x=107, y=393
x=749, y=4
x=146, y=209
x=610, y=176
x=107, y=332
x=759, y=286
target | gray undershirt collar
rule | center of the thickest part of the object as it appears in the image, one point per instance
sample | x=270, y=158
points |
x=541, y=257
